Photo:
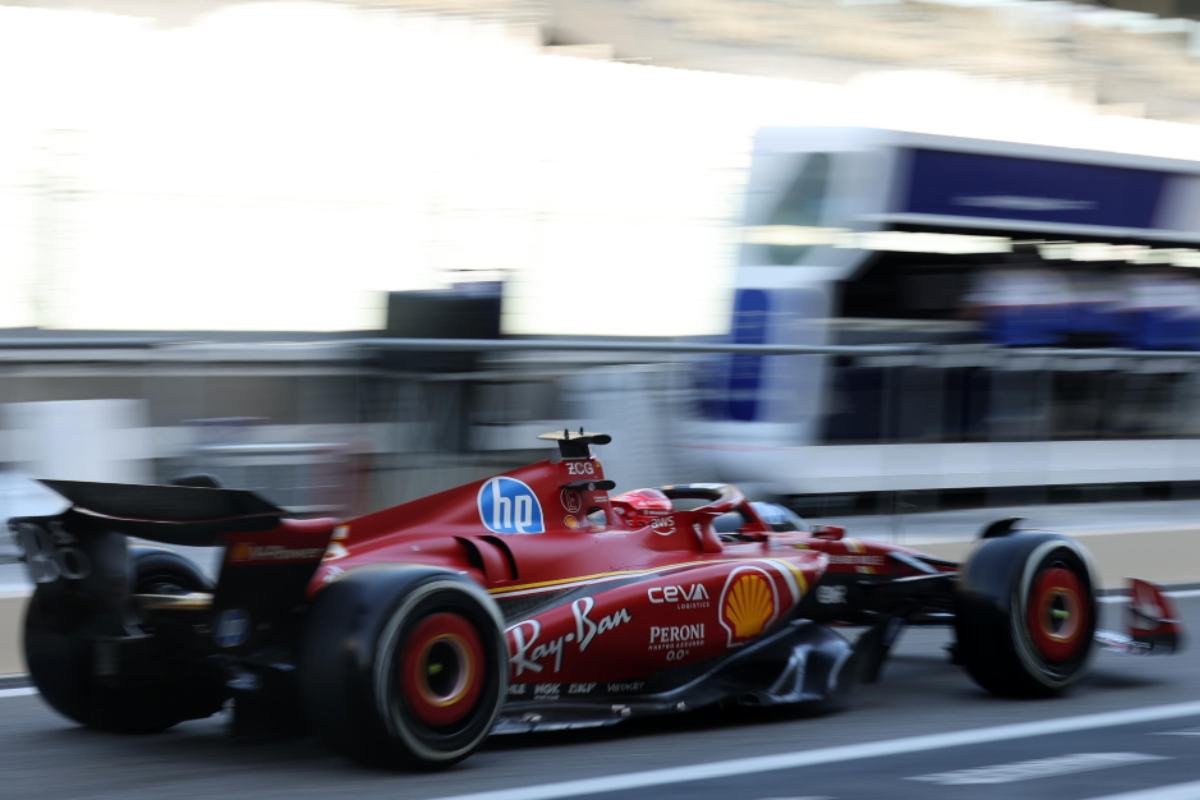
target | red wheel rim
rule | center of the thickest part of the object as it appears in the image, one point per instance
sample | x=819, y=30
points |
x=441, y=673
x=1057, y=613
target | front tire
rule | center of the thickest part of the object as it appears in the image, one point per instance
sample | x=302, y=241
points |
x=403, y=667
x=1026, y=615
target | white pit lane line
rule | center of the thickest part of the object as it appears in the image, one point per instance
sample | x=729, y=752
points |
x=1051, y=767
x=1187, y=732
x=1176, y=791
x=20, y=691
x=829, y=755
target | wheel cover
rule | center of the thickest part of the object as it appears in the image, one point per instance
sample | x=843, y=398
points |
x=1058, y=614
x=441, y=673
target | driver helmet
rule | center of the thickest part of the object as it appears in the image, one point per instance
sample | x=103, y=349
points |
x=641, y=506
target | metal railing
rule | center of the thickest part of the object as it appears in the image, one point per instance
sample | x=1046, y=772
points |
x=410, y=432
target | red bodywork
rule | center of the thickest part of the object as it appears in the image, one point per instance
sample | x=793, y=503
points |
x=589, y=596
x=656, y=601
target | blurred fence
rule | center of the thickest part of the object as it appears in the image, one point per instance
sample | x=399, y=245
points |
x=348, y=425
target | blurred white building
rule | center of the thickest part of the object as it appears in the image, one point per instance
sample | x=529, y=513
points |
x=275, y=166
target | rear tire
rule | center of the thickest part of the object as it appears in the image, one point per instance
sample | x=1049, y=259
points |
x=158, y=571
x=61, y=656
x=1026, y=615
x=403, y=667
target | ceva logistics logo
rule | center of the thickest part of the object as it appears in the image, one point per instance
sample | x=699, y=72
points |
x=507, y=505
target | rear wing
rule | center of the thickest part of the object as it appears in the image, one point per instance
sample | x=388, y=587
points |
x=83, y=550
x=85, y=544
x=195, y=516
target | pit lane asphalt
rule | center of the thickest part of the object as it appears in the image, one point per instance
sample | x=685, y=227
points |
x=43, y=756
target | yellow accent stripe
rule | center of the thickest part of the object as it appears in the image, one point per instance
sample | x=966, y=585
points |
x=857, y=547
x=616, y=573
x=801, y=581
x=613, y=574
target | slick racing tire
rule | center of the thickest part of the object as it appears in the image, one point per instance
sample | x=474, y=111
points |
x=61, y=657
x=403, y=667
x=157, y=571
x=1026, y=614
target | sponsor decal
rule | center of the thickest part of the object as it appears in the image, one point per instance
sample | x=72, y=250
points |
x=570, y=521
x=623, y=687
x=581, y=688
x=507, y=505
x=581, y=468
x=545, y=691
x=749, y=604
x=571, y=501
x=516, y=689
x=600, y=498
x=684, y=598
x=663, y=526
x=856, y=560
x=664, y=636
x=245, y=552
x=675, y=640
x=862, y=561
x=232, y=628
x=831, y=595
x=529, y=653
x=333, y=574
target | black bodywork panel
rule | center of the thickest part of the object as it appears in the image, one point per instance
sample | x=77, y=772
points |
x=803, y=663
x=184, y=515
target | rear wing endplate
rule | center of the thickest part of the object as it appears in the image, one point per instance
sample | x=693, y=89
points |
x=184, y=515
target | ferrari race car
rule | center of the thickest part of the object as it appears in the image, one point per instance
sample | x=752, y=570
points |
x=530, y=600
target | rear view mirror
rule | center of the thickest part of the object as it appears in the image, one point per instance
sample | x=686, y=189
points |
x=833, y=532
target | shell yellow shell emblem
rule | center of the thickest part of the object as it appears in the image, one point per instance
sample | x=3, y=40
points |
x=749, y=603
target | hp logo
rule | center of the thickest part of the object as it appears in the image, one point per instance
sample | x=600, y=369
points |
x=507, y=505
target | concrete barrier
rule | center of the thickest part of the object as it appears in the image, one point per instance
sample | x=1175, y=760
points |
x=12, y=613
x=1161, y=556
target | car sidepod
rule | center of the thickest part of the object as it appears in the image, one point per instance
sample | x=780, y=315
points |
x=673, y=639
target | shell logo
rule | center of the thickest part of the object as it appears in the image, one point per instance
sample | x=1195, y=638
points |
x=241, y=551
x=749, y=604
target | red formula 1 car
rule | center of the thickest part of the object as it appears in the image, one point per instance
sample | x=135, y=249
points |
x=530, y=600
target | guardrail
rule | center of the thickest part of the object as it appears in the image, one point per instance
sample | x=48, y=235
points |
x=430, y=428
x=192, y=348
